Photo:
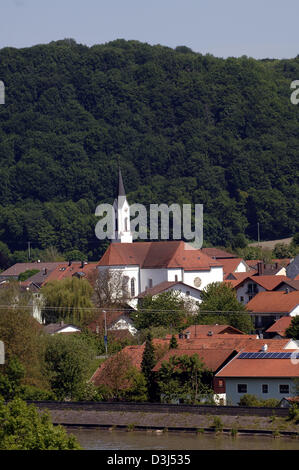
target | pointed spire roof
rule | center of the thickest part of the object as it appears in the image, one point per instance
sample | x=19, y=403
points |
x=121, y=189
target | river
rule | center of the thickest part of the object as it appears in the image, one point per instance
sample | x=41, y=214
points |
x=94, y=439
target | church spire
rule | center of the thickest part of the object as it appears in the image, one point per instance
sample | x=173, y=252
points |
x=121, y=189
x=122, y=214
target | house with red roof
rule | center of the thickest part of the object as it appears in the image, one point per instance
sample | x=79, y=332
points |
x=248, y=286
x=279, y=327
x=266, y=307
x=234, y=265
x=263, y=374
x=117, y=324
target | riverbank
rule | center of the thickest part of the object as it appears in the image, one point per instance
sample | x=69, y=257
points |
x=174, y=422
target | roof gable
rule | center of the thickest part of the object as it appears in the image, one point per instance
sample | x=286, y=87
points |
x=150, y=255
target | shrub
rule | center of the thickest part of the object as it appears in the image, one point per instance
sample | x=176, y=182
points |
x=217, y=424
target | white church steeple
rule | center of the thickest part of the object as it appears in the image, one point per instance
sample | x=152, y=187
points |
x=122, y=214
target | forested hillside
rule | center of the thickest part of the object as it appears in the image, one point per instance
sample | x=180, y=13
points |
x=185, y=127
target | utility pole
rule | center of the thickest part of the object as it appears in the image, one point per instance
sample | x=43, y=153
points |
x=105, y=337
x=29, y=251
x=258, y=233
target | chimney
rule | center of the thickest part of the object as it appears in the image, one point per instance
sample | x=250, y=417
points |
x=260, y=268
x=188, y=334
x=210, y=333
x=265, y=348
x=287, y=290
x=70, y=263
x=45, y=271
x=82, y=265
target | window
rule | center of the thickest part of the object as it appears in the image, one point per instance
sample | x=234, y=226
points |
x=242, y=388
x=187, y=293
x=284, y=388
x=220, y=383
x=265, y=388
x=176, y=278
x=132, y=287
x=241, y=299
x=150, y=283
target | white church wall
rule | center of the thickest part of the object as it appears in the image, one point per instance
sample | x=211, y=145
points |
x=215, y=274
x=175, y=274
x=132, y=272
x=157, y=276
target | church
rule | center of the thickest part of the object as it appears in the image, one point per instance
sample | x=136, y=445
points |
x=153, y=267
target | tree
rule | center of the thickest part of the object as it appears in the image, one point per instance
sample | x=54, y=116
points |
x=173, y=343
x=22, y=427
x=219, y=297
x=21, y=334
x=147, y=364
x=68, y=360
x=110, y=287
x=68, y=300
x=119, y=379
x=293, y=330
x=166, y=309
x=184, y=378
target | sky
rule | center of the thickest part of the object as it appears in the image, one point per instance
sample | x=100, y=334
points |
x=224, y=28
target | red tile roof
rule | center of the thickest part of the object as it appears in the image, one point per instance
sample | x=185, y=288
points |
x=200, y=330
x=240, y=276
x=169, y=254
x=260, y=368
x=230, y=265
x=280, y=326
x=20, y=268
x=212, y=358
x=238, y=342
x=64, y=270
x=133, y=353
x=273, y=302
x=267, y=282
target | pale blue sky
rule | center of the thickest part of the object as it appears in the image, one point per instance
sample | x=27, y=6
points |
x=256, y=28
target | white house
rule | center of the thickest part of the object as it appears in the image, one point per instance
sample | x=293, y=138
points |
x=263, y=374
x=145, y=265
x=187, y=293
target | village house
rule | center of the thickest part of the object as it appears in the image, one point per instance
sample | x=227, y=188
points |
x=278, y=328
x=263, y=374
x=118, y=324
x=266, y=307
x=190, y=295
x=248, y=286
x=60, y=328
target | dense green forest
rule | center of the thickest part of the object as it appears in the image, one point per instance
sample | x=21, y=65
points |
x=185, y=128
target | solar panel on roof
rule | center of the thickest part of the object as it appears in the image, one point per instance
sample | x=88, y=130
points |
x=269, y=355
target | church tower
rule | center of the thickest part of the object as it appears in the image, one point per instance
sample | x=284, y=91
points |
x=122, y=214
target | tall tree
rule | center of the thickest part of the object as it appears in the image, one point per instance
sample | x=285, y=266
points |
x=220, y=299
x=68, y=300
x=147, y=364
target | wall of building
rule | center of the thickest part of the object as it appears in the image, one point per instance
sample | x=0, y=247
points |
x=157, y=275
x=243, y=295
x=254, y=387
x=173, y=272
x=215, y=274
